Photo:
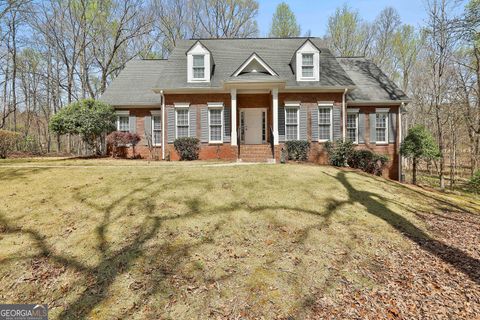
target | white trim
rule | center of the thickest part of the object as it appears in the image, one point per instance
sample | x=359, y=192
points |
x=325, y=106
x=156, y=112
x=122, y=113
x=176, y=121
x=298, y=121
x=212, y=105
x=386, y=112
x=325, y=103
x=353, y=110
x=233, y=103
x=179, y=105
x=259, y=60
x=275, y=115
x=210, y=125
x=293, y=104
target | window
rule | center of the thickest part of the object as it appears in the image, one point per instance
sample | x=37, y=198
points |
x=182, y=123
x=156, y=130
x=352, y=127
x=381, y=123
x=198, y=66
x=291, y=124
x=216, y=124
x=123, y=123
x=325, y=123
x=307, y=65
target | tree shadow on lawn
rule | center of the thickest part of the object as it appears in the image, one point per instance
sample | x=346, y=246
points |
x=116, y=262
x=373, y=203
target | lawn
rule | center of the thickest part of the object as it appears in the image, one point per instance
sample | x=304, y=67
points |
x=131, y=239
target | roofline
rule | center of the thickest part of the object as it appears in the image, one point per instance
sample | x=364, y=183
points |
x=378, y=102
x=256, y=38
x=282, y=88
x=193, y=45
x=313, y=44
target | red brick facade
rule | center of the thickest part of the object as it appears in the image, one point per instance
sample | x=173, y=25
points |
x=226, y=151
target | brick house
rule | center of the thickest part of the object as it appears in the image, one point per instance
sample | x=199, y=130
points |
x=243, y=98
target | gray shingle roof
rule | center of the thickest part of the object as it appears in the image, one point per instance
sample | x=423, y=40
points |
x=229, y=54
x=372, y=84
x=133, y=86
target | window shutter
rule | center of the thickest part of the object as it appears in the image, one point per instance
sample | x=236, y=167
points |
x=226, y=125
x=132, y=122
x=373, y=126
x=192, y=128
x=281, y=124
x=314, y=113
x=303, y=123
x=392, y=127
x=337, y=123
x=148, y=129
x=204, y=124
x=171, y=124
x=361, y=127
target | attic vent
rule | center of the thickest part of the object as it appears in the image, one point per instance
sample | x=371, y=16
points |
x=254, y=64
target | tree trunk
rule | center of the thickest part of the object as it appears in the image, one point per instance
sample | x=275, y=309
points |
x=414, y=171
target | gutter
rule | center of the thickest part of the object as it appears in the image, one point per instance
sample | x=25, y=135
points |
x=162, y=97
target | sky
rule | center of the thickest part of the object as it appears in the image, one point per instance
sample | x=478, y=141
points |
x=313, y=14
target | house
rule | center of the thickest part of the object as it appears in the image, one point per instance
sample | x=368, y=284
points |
x=243, y=98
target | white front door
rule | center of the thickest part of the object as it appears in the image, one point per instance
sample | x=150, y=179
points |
x=253, y=122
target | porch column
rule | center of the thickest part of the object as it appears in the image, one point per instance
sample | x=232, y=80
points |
x=233, y=94
x=275, y=115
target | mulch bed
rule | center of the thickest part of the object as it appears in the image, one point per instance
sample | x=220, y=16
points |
x=424, y=283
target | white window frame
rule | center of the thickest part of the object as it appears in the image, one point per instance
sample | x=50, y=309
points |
x=121, y=114
x=156, y=113
x=193, y=67
x=216, y=106
x=295, y=106
x=384, y=111
x=325, y=106
x=182, y=106
x=354, y=112
x=312, y=66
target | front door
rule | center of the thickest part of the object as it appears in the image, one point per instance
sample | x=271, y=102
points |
x=253, y=125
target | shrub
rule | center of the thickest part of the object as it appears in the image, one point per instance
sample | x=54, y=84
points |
x=297, y=150
x=474, y=183
x=7, y=142
x=368, y=161
x=339, y=152
x=187, y=148
x=122, y=139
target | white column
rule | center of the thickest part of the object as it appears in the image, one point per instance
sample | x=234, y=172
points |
x=275, y=115
x=233, y=94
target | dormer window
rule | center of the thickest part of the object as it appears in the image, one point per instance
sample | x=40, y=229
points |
x=199, y=60
x=307, y=62
x=198, y=67
x=307, y=65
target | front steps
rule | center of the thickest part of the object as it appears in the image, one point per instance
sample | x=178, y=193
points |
x=256, y=153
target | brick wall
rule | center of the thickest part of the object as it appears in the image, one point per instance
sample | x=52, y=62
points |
x=227, y=152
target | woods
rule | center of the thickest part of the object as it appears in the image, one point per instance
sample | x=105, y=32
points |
x=54, y=53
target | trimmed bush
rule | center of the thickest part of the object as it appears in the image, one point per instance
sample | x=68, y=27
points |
x=118, y=139
x=368, y=161
x=7, y=142
x=187, y=148
x=297, y=150
x=474, y=183
x=339, y=152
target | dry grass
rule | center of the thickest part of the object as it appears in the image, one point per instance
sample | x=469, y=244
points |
x=184, y=242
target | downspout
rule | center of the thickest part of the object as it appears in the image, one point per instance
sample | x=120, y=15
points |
x=400, y=158
x=344, y=114
x=162, y=97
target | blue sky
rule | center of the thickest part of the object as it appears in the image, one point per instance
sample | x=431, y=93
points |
x=312, y=15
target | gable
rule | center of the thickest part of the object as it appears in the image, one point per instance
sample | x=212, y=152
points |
x=254, y=64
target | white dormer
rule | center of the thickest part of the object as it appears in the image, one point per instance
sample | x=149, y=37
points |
x=199, y=63
x=254, y=64
x=308, y=62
